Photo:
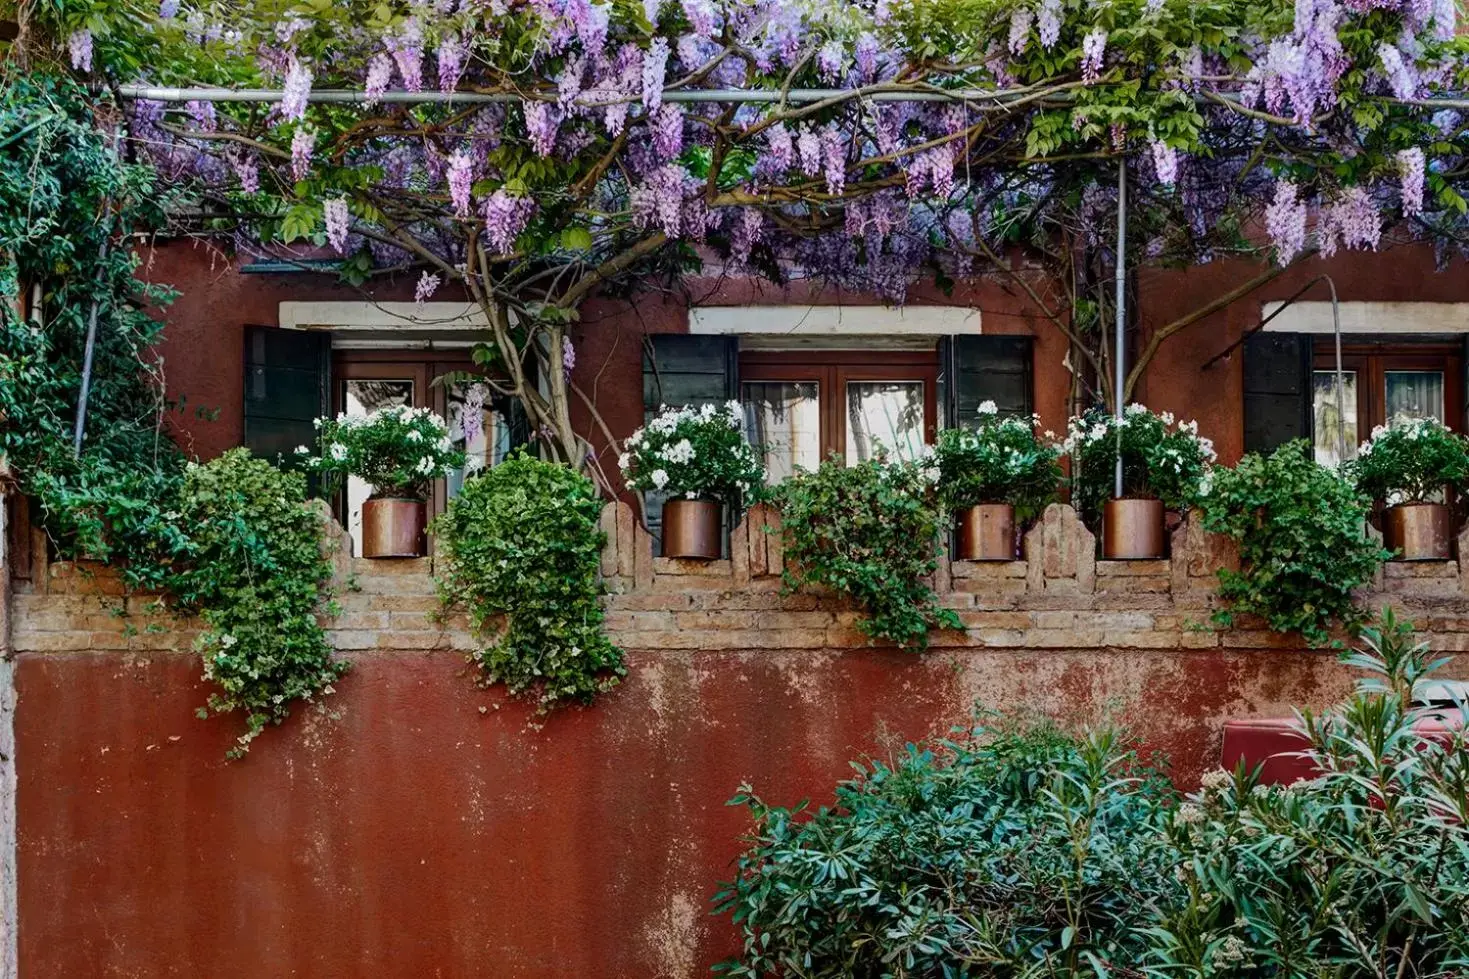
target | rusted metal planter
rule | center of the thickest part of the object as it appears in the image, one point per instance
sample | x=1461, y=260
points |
x=693, y=529
x=986, y=533
x=1132, y=530
x=393, y=527
x=1418, y=531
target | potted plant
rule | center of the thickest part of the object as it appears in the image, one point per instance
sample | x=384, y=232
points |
x=1408, y=466
x=396, y=451
x=1164, y=464
x=993, y=478
x=700, y=458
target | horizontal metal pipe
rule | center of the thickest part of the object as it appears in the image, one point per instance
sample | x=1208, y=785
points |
x=336, y=95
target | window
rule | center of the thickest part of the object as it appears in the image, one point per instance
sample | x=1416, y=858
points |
x=801, y=407
x=366, y=381
x=1382, y=384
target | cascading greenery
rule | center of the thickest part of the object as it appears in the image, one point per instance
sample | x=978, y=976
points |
x=1303, y=546
x=869, y=531
x=232, y=540
x=255, y=570
x=520, y=550
x=65, y=201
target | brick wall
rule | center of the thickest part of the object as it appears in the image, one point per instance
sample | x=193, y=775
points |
x=1060, y=597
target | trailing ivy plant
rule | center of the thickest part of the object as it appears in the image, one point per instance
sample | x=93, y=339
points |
x=869, y=531
x=1303, y=544
x=257, y=574
x=520, y=550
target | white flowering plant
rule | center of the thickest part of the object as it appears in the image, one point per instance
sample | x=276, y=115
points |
x=1162, y=458
x=1002, y=460
x=694, y=453
x=1410, y=461
x=397, y=450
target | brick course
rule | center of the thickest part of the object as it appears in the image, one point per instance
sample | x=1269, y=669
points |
x=1059, y=597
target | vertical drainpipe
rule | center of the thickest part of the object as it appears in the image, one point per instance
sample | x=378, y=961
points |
x=1121, y=302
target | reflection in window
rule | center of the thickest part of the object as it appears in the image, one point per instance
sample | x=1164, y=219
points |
x=1325, y=414
x=1414, y=394
x=363, y=397
x=783, y=421
x=886, y=414
x=476, y=428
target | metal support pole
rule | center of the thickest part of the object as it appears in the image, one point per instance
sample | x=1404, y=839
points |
x=1341, y=418
x=1121, y=302
x=86, y=388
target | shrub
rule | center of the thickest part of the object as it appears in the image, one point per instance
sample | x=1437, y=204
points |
x=698, y=453
x=256, y=573
x=1017, y=853
x=867, y=531
x=1360, y=872
x=396, y=450
x=1160, y=458
x=1303, y=545
x=1000, y=461
x=520, y=549
x=1410, y=461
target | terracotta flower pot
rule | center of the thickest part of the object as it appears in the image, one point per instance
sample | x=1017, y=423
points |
x=1418, y=531
x=1132, y=530
x=393, y=527
x=693, y=529
x=986, y=533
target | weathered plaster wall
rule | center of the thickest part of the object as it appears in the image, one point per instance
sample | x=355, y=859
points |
x=415, y=825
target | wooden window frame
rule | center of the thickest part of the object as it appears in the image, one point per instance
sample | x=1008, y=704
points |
x=401, y=365
x=1372, y=363
x=831, y=370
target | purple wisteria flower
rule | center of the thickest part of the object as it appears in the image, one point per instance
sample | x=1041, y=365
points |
x=297, y=91
x=461, y=181
x=451, y=63
x=407, y=51
x=655, y=70
x=1165, y=162
x=247, y=171
x=168, y=9
x=79, y=46
x=834, y=160
x=1020, y=20
x=428, y=284
x=779, y=148
x=303, y=145
x=379, y=76
x=867, y=54
x=541, y=123
x=1401, y=76
x=703, y=17
x=1048, y=23
x=506, y=216
x=1411, y=171
x=1350, y=221
x=568, y=356
x=1093, y=50
x=808, y=148
x=667, y=126
x=1285, y=222
x=337, y=218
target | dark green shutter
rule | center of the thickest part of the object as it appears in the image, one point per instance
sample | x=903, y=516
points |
x=1277, y=389
x=988, y=368
x=682, y=369
x=287, y=387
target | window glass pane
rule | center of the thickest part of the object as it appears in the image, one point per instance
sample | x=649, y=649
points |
x=1324, y=411
x=887, y=414
x=476, y=428
x=362, y=398
x=1414, y=394
x=784, y=420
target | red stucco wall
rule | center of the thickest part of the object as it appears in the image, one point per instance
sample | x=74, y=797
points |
x=420, y=827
